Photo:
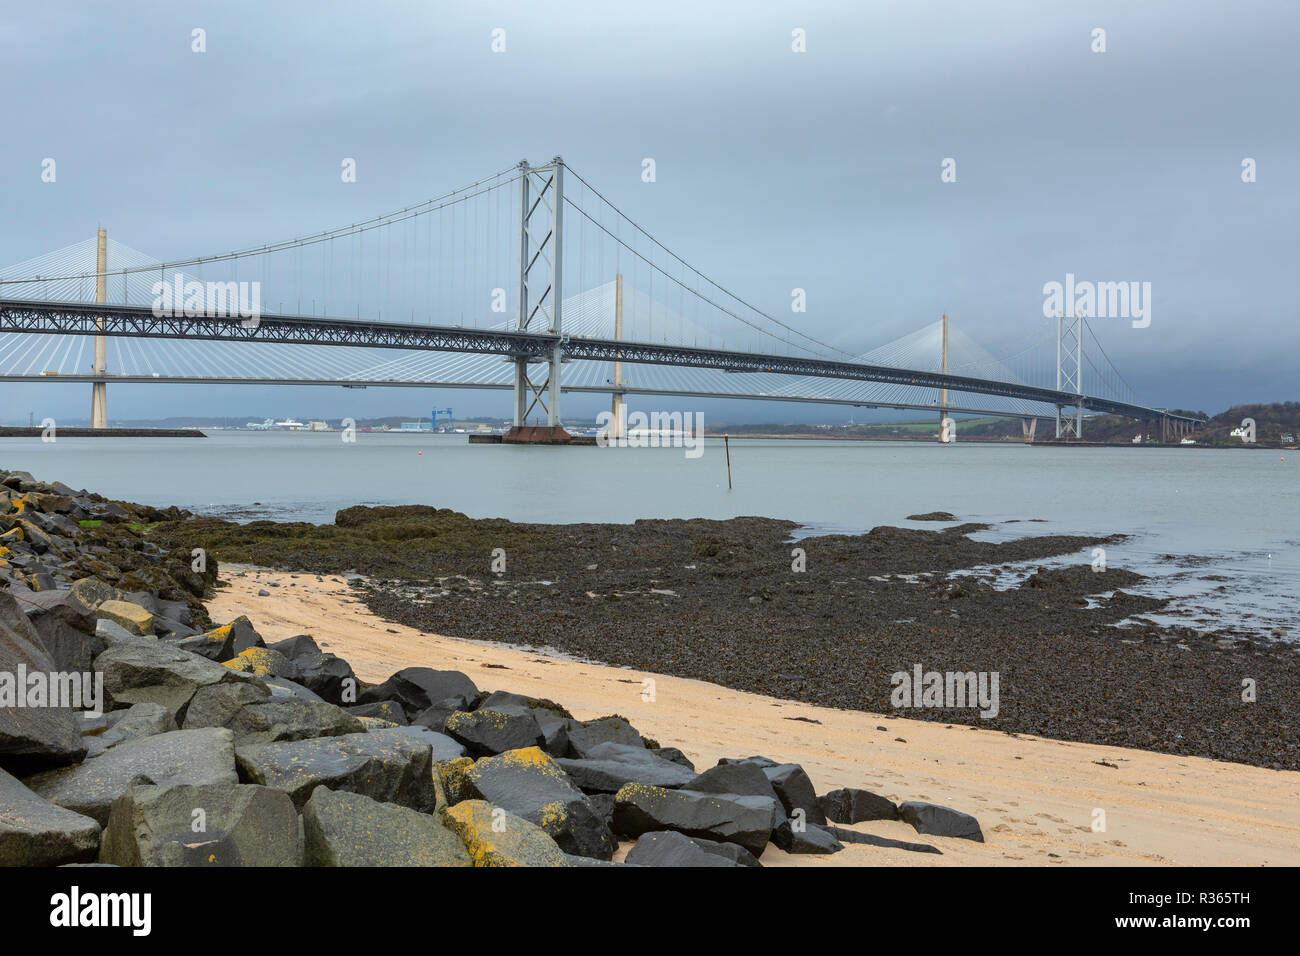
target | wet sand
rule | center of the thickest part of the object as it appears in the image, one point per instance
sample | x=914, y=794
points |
x=1034, y=797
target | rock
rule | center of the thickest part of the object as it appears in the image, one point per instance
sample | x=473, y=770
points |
x=487, y=732
x=66, y=628
x=418, y=688
x=669, y=848
x=389, y=710
x=132, y=617
x=222, y=643
x=181, y=757
x=435, y=717
x=217, y=704
x=555, y=731
x=810, y=838
x=795, y=790
x=110, y=632
x=495, y=837
x=612, y=765
x=139, y=720
x=450, y=775
x=385, y=765
x=555, y=726
x=152, y=672
x=36, y=832
x=92, y=592
x=348, y=829
x=242, y=826
x=853, y=836
x=279, y=687
x=573, y=860
x=530, y=784
x=294, y=647
x=746, y=779
x=443, y=747
x=584, y=735
x=266, y=721
x=675, y=756
x=603, y=804
x=726, y=818
x=30, y=736
x=263, y=662
x=934, y=820
x=763, y=762
x=329, y=677
x=849, y=805
x=792, y=785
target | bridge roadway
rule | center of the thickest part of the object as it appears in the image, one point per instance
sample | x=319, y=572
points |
x=138, y=321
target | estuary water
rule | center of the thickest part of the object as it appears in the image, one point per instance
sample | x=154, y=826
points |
x=1219, y=529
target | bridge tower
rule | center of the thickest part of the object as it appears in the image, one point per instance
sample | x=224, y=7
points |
x=618, y=409
x=947, y=430
x=541, y=294
x=99, y=389
x=1069, y=373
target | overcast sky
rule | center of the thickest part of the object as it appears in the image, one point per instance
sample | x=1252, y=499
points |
x=774, y=169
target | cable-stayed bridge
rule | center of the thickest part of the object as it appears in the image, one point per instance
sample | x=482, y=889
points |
x=472, y=290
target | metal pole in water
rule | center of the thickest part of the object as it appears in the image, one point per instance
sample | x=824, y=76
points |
x=726, y=443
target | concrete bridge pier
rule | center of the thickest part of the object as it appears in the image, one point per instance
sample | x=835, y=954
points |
x=1027, y=428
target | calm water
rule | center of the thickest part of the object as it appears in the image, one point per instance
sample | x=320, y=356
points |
x=1219, y=529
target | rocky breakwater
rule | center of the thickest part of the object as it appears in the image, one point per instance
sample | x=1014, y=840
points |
x=134, y=732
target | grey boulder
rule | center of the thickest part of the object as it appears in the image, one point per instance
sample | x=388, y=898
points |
x=669, y=848
x=204, y=825
x=725, y=818
x=36, y=832
x=348, y=829
x=180, y=757
x=934, y=820
x=152, y=672
x=611, y=765
x=38, y=735
x=530, y=784
x=385, y=765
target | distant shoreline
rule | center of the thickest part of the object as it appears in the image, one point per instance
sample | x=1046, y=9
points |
x=7, y=431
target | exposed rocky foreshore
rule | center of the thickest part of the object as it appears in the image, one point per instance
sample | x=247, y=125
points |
x=721, y=601
x=134, y=732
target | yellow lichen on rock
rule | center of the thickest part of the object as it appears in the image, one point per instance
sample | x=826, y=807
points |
x=494, y=837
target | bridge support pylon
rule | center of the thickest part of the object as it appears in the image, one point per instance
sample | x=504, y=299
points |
x=617, y=406
x=541, y=296
x=99, y=390
x=947, y=432
x=1027, y=428
x=1069, y=373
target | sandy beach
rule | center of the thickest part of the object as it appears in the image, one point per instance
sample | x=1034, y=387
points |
x=1035, y=798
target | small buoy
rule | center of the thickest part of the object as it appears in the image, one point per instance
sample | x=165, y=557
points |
x=420, y=453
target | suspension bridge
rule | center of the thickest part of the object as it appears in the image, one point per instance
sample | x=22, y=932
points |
x=470, y=290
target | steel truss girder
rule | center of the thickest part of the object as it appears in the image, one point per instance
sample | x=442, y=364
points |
x=75, y=318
